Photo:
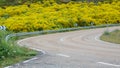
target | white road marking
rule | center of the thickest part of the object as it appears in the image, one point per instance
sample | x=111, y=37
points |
x=39, y=50
x=30, y=60
x=8, y=67
x=21, y=41
x=12, y=66
x=18, y=64
x=109, y=64
x=61, y=39
x=97, y=38
x=30, y=47
x=63, y=55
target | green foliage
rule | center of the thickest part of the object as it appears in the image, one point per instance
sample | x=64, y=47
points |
x=50, y=15
x=6, y=50
x=106, y=32
x=9, y=50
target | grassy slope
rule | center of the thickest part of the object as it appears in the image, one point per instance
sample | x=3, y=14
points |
x=28, y=53
x=113, y=37
x=10, y=53
x=25, y=54
x=10, y=61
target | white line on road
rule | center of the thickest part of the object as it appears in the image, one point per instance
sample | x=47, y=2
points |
x=12, y=66
x=30, y=60
x=61, y=39
x=8, y=67
x=109, y=64
x=39, y=50
x=97, y=38
x=63, y=55
x=18, y=42
x=30, y=47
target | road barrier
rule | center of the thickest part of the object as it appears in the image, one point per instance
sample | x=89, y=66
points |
x=2, y=28
x=55, y=31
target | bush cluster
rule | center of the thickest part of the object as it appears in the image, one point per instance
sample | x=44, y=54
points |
x=9, y=50
x=50, y=15
x=5, y=49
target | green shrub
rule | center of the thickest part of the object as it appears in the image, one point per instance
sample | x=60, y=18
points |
x=106, y=32
x=6, y=50
x=10, y=50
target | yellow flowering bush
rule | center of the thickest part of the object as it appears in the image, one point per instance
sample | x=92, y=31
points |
x=50, y=15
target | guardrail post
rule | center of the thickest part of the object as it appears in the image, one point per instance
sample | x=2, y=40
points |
x=107, y=27
x=92, y=24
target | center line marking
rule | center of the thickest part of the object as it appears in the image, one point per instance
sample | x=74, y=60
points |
x=63, y=55
x=109, y=64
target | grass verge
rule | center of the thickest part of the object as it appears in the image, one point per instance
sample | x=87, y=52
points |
x=11, y=53
x=113, y=37
x=12, y=60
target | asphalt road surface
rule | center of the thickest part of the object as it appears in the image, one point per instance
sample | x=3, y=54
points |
x=75, y=49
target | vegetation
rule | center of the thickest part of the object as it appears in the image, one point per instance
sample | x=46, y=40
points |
x=11, y=53
x=34, y=15
x=113, y=37
x=18, y=2
x=50, y=15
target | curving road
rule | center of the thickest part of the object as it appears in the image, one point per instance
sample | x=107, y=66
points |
x=76, y=49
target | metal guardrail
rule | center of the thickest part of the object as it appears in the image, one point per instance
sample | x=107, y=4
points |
x=54, y=31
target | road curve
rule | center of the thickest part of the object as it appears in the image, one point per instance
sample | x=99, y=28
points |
x=75, y=49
